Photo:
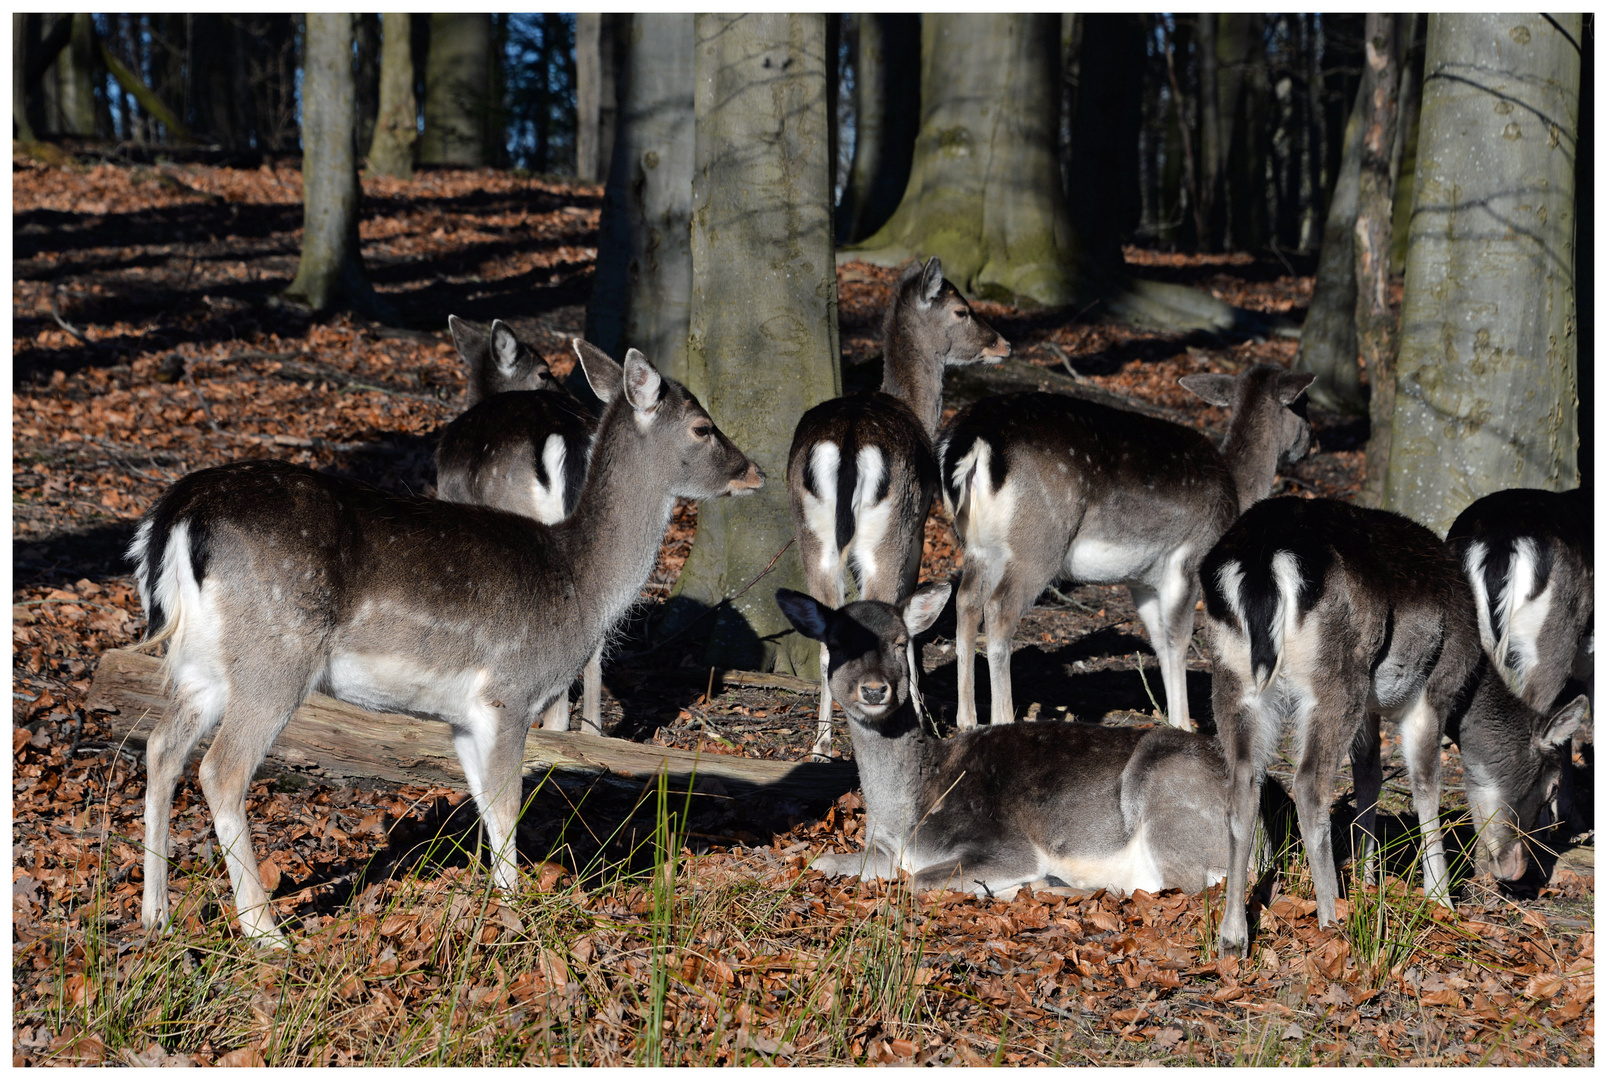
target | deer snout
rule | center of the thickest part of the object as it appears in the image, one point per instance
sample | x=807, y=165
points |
x=750, y=480
x=1512, y=863
x=996, y=352
x=873, y=693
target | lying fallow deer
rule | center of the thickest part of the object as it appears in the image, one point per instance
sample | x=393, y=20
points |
x=861, y=475
x=523, y=448
x=269, y=581
x=1043, y=486
x=1329, y=617
x=994, y=808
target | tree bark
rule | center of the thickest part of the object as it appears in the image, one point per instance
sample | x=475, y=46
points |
x=75, y=78
x=887, y=115
x=642, y=293
x=457, y=91
x=369, y=48
x=596, y=106
x=1247, y=142
x=21, y=129
x=1328, y=345
x=1404, y=169
x=396, y=129
x=763, y=346
x=1487, y=382
x=1102, y=195
x=331, y=258
x=1375, y=324
x=1212, y=153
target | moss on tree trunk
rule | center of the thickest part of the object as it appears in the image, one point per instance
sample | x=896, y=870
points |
x=763, y=345
x=457, y=91
x=396, y=129
x=1486, y=380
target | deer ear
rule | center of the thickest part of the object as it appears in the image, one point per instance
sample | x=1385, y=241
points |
x=643, y=384
x=603, y=372
x=924, y=606
x=1291, y=384
x=468, y=340
x=504, y=347
x=931, y=280
x=1217, y=389
x=804, y=612
x=1559, y=728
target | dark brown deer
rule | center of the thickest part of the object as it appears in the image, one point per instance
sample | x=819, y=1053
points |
x=861, y=475
x=269, y=581
x=523, y=448
x=1044, y=486
x=995, y=808
x=1328, y=618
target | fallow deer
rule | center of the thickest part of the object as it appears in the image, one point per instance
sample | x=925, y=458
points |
x=861, y=474
x=269, y=581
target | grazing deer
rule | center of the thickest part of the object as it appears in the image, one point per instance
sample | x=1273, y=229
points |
x=861, y=475
x=1528, y=555
x=1331, y=617
x=522, y=448
x=270, y=581
x=1042, y=486
x=994, y=808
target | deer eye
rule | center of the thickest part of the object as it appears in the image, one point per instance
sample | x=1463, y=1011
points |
x=701, y=430
x=962, y=313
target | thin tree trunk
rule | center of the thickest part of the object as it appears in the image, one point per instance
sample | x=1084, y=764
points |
x=22, y=130
x=887, y=116
x=331, y=258
x=75, y=78
x=368, y=74
x=1103, y=196
x=596, y=108
x=1328, y=346
x=457, y=90
x=763, y=345
x=1404, y=166
x=643, y=290
x=1375, y=325
x=396, y=129
x=1212, y=152
x=1487, y=384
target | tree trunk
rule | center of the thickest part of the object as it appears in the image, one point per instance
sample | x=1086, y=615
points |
x=331, y=259
x=457, y=90
x=763, y=346
x=21, y=128
x=596, y=107
x=396, y=129
x=75, y=79
x=1103, y=195
x=367, y=76
x=1486, y=386
x=887, y=116
x=1328, y=346
x=1247, y=198
x=984, y=192
x=1404, y=169
x=1375, y=324
x=1212, y=153
x=643, y=290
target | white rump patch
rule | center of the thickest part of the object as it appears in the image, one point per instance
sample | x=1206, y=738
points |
x=547, y=501
x=871, y=518
x=820, y=514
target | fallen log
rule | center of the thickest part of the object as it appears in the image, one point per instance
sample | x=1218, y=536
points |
x=341, y=741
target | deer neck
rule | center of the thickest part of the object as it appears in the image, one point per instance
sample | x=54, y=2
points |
x=609, y=544
x=888, y=757
x=1251, y=452
x=913, y=378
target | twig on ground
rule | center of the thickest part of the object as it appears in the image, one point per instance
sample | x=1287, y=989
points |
x=195, y=389
x=55, y=313
x=724, y=602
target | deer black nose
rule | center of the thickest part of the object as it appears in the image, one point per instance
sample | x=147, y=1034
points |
x=873, y=693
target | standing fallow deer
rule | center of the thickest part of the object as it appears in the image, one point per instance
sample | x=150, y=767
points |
x=1043, y=486
x=269, y=581
x=861, y=474
x=523, y=448
x=1327, y=618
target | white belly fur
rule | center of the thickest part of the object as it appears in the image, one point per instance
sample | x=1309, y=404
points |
x=391, y=684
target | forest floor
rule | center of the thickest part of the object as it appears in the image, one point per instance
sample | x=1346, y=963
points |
x=148, y=343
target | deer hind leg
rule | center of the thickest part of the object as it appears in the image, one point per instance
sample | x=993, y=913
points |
x=556, y=716
x=889, y=570
x=1326, y=728
x=823, y=573
x=490, y=744
x=1367, y=771
x=1167, y=612
x=199, y=698
x=968, y=601
x=258, y=711
x=1420, y=729
x=1002, y=614
x=1247, y=728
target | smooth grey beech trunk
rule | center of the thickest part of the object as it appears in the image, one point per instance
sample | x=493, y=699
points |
x=887, y=114
x=331, y=260
x=396, y=129
x=596, y=105
x=1328, y=343
x=457, y=90
x=643, y=290
x=1486, y=379
x=763, y=346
